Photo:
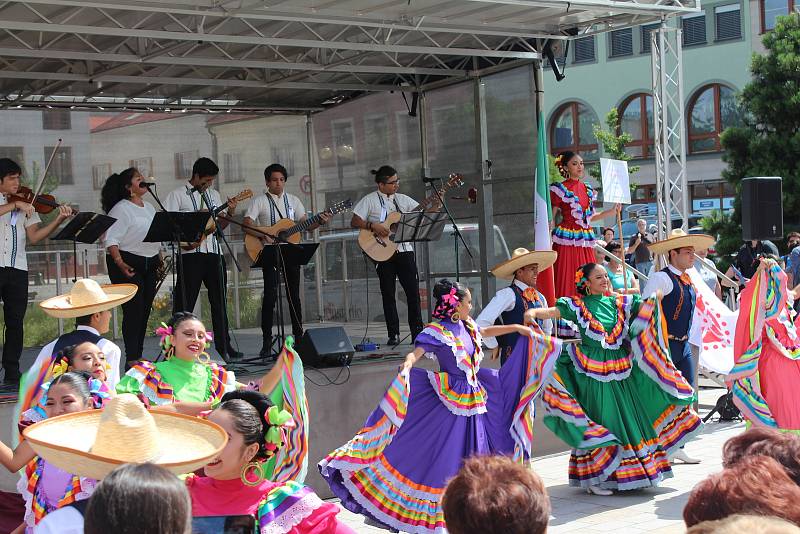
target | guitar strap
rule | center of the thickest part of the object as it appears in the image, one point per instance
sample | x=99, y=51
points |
x=274, y=208
x=384, y=212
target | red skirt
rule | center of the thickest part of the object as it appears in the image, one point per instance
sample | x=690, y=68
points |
x=567, y=263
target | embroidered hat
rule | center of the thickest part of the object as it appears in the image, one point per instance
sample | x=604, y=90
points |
x=522, y=257
x=679, y=239
x=87, y=297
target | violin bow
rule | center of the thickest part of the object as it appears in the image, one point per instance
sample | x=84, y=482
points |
x=46, y=170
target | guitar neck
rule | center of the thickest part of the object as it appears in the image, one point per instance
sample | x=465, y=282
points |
x=303, y=226
x=425, y=204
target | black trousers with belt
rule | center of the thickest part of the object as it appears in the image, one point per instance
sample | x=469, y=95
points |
x=293, y=304
x=204, y=268
x=136, y=311
x=14, y=294
x=401, y=266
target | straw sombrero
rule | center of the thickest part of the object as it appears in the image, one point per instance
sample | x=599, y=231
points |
x=94, y=442
x=88, y=297
x=678, y=239
x=522, y=257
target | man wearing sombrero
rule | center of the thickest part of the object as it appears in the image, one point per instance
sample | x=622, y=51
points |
x=678, y=300
x=510, y=303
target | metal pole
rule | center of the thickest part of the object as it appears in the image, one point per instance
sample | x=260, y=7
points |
x=58, y=289
x=236, y=307
x=486, y=221
x=345, y=282
x=310, y=154
x=423, y=145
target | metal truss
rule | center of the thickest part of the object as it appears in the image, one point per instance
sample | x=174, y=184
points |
x=279, y=54
x=672, y=189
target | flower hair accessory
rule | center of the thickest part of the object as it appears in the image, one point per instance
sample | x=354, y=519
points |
x=60, y=368
x=580, y=280
x=209, y=339
x=560, y=160
x=165, y=332
x=451, y=298
x=280, y=421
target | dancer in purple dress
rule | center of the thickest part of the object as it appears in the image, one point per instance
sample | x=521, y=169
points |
x=395, y=469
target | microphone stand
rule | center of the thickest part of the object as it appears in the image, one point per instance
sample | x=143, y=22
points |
x=456, y=232
x=176, y=246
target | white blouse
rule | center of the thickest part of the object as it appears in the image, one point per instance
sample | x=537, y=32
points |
x=128, y=232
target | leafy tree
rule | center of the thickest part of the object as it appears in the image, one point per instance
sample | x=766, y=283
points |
x=768, y=142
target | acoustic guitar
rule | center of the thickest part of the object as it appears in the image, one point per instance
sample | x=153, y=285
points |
x=382, y=248
x=289, y=230
x=211, y=226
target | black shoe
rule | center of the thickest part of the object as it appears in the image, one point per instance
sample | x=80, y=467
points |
x=393, y=340
x=11, y=378
x=297, y=335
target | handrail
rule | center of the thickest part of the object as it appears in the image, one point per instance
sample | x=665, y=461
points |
x=612, y=257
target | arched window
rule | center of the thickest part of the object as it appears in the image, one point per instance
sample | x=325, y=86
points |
x=571, y=129
x=712, y=109
x=636, y=119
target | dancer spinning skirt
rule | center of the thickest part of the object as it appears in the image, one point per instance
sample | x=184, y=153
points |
x=616, y=398
x=764, y=380
x=395, y=469
x=573, y=238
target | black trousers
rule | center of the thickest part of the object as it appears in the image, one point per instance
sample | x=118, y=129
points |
x=293, y=307
x=136, y=311
x=400, y=266
x=14, y=293
x=204, y=268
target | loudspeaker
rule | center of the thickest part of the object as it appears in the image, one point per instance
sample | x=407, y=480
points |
x=325, y=347
x=762, y=208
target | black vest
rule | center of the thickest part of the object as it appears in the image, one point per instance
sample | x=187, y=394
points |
x=678, y=327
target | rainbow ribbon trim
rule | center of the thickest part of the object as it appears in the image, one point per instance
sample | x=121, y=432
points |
x=464, y=361
x=581, y=216
x=471, y=402
x=594, y=329
x=284, y=507
x=33, y=471
x=292, y=461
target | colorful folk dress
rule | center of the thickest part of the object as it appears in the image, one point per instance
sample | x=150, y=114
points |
x=573, y=238
x=46, y=488
x=395, y=469
x=616, y=398
x=174, y=380
x=765, y=379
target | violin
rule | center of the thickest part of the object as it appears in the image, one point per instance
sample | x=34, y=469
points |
x=42, y=203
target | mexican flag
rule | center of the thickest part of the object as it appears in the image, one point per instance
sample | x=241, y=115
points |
x=543, y=212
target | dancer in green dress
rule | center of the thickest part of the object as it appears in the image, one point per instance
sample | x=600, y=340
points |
x=616, y=398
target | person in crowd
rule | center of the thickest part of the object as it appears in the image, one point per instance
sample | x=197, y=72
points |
x=792, y=258
x=369, y=214
x=708, y=276
x=237, y=482
x=510, y=303
x=766, y=372
x=428, y=422
x=266, y=210
x=573, y=238
x=784, y=447
x=495, y=494
x=615, y=398
x=757, y=485
x=129, y=258
x=20, y=225
x=638, y=247
x=599, y=256
x=204, y=264
x=746, y=263
x=139, y=499
x=738, y=523
x=616, y=272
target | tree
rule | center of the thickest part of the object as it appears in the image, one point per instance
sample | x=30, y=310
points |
x=613, y=143
x=768, y=142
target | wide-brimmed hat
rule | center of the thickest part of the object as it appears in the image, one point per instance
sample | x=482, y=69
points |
x=678, y=239
x=94, y=442
x=87, y=297
x=522, y=257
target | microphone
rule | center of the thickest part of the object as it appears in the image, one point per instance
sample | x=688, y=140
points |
x=148, y=184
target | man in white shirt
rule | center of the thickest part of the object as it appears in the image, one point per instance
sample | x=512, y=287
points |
x=204, y=264
x=19, y=223
x=265, y=211
x=510, y=303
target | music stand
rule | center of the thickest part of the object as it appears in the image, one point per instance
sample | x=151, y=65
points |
x=86, y=227
x=420, y=226
x=276, y=255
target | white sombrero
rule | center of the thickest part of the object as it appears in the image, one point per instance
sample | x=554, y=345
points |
x=522, y=257
x=678, y=239
x=87, y=297
x=94, y=442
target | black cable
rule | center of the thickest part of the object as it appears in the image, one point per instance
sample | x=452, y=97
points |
x=330, y=382
x=366, y=271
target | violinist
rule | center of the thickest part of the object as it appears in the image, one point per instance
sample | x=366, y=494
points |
x=19, y=224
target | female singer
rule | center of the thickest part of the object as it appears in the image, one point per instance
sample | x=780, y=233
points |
x=129, y=258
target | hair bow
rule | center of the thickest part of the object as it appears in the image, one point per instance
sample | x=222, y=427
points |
x=99, y=392
x=451, y=297
x=165, y=332
x=60, y=368
x=280, y=421
x=209, y=338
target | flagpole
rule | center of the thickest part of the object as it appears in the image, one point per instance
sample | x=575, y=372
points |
x=539, y=103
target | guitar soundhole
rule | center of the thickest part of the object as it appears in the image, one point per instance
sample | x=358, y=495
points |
x=282, y=236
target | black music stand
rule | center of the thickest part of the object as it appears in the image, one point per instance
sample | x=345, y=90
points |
x=86, y=227
x=420, y=226
x=276, y=255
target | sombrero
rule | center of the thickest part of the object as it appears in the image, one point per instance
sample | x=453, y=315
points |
x=678, y=239
x=87, y=297
x=522, y=257
x=94, y=442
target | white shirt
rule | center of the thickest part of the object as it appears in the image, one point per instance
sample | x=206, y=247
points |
x=265, y=213
x=184, y=199
x=66, y=520
x=130, y=228
x=109, y=348
x=660, y=280
x=14, y=238
x=376, y=206
x=504, y=301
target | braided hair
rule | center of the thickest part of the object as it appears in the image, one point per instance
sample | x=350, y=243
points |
x=448, y=296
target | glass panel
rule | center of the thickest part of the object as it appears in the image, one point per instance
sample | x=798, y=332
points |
x=702, y=118
x=703, y=145
x=730, y=113
x=773, y=9
x=694, y=29
x=631, y=120
x=450, y=120
x=563, y=130
x=586, y=122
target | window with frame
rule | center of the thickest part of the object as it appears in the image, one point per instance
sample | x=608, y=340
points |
x=100, y=174
x=647, y=44
x=584, y=49
x=145, y=166
x=694, y=29
x=711, y=109
x=56, y=119
x=232, y=168
x=621, y=42
x=344, y=141
x=62, y=164
x=14, y=153
x=636, y=119
x=571, y=129
x=184, y=162
x=728, y=22
x=772, y=9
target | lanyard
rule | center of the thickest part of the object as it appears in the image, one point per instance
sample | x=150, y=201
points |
x=274, y=207
x=384, y=212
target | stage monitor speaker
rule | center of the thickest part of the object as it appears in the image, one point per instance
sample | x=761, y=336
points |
x=326, y=347
x=762, y=208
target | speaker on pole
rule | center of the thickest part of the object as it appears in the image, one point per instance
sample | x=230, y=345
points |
x=762, y=208
x=325, y=347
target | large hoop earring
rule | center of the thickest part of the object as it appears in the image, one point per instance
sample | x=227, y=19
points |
x=252, y=468
x=169, y=353
x=204, y=358
x=455, y=317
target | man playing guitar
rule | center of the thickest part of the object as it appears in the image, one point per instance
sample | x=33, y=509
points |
x=266, y=210
x=368, y=214
x=206, y=263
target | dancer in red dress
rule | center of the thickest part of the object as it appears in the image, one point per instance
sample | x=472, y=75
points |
x=573, y=238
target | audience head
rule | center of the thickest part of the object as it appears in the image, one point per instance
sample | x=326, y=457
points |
x=591, y=279
x=641, y=225
x=452, y=300
x=139, y=499
x=616, y=249
x=608, y=235
x=781, y=446
x=184, y=337
x=792, y=240
x=751, y=524
x=756, y=485
x=86, y=357
x=570, y=165
x=72, y=392
x=599, y=257
x=495, y=494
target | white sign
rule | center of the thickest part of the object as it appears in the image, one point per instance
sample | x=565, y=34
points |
x=616, y=181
